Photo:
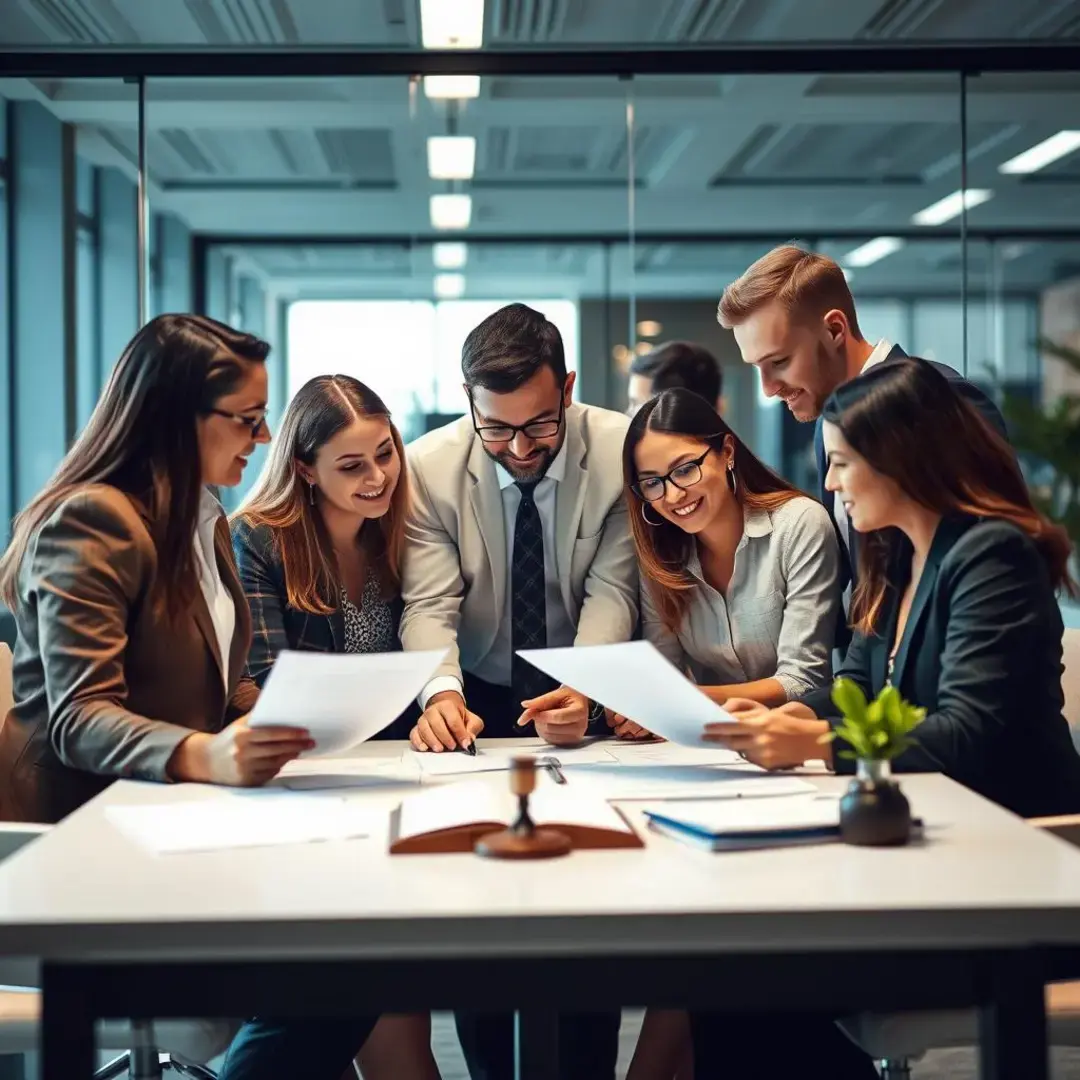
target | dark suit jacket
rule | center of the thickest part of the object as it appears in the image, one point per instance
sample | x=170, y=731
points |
x=104, y=685
x=981, y=652
x=277, y=626
x=849, y=545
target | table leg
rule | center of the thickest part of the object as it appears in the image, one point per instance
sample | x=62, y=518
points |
x=536, y=1045
x=1012, y=1028
x=67, y=1025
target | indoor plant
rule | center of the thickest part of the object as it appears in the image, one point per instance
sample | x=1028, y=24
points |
x=874, y=811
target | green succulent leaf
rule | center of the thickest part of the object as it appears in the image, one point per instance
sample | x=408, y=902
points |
x=876, y=730
x=849, y=698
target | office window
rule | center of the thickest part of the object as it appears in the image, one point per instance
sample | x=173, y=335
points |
x=88, y=375
x=6, y=507
x=407, y=351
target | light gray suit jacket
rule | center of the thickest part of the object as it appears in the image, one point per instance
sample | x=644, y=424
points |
x=455, y=575
x=104, y=685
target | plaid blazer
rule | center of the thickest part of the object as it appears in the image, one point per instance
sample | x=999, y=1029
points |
x=276, y=625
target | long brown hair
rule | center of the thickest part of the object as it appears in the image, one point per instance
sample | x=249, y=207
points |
x=323, y=407
x=664, y=550
x=142, y=438
x=909, y=424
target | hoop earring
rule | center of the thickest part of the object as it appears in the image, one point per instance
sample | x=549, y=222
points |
x=732, y=479
x=645, y=518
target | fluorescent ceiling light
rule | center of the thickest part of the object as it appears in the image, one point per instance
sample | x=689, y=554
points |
x=451, y=211
x=869, y=253
x=449, y=286
x=1042, y=154
x=450, y=255
x=952, y=206
x=454, y=87
x=451, y=157
x=452, y=24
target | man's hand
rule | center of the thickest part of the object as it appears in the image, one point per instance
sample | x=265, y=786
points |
x=238, y=755
x=624, y=728
x=445, y=724
x=561, y=716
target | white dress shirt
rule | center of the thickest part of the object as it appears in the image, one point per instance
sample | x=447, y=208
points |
x=495, y=666
x=218, y=599
x=778, y=617
x=881, y=350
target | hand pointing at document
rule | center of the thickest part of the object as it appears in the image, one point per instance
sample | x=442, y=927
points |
x=561, y=716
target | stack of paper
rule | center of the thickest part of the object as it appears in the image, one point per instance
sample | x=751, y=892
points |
x=229, y=822
x=735, y=824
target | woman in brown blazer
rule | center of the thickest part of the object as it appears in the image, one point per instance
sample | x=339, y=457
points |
x=133, y=629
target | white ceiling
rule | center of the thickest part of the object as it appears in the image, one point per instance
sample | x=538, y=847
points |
x=785, y=156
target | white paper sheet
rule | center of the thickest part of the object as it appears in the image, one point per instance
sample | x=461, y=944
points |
x=226, y=823
x=683, y=782
x=315, y=774
x=498, y=758
x=634, y=679
x=488, y=799
x=665, y=753
x=342, y=698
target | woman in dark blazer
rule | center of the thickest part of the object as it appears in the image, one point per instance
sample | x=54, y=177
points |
x=318, y=544
x=956, y=606
x=956, y=603
x=132, y=626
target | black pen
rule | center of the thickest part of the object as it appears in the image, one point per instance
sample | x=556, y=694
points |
x=470, y=749
x=552, y=765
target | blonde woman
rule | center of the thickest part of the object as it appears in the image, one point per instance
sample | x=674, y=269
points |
x=318, y=544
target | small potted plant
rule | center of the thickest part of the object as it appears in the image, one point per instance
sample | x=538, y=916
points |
x=874, y=811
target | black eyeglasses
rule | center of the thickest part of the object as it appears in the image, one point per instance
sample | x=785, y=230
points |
x=534, y=429
x=682, y=476
x=253, y=423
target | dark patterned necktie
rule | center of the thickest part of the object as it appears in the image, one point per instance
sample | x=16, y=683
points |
x=528, y=605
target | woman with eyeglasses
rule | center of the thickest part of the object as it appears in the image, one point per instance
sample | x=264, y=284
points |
x=739, y=569
x=133, y=630
x=739, y=589
x=318, y=543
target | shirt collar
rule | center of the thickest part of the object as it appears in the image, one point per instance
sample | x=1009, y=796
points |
x=556, y=470
x=756, y=523
x=881, y=351
x=209, y=507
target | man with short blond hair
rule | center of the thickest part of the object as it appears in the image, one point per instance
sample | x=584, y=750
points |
x=794, y=319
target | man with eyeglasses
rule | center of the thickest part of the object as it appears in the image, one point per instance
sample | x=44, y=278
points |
x=519, y=538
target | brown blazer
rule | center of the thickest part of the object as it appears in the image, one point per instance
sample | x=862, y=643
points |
x=104, y=686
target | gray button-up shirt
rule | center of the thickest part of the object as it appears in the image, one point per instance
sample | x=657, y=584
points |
x=778, y=618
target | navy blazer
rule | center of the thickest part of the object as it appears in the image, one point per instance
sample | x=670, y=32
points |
x=967, y=390
x=849, y=545
x=981, y=652
x=277, y=626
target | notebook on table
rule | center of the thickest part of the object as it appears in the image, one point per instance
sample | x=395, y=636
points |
x=738, y=824
x=452, y=817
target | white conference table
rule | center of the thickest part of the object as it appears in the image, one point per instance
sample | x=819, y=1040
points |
x=980, y=913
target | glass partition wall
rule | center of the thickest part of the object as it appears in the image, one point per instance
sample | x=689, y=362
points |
x=363, y=216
